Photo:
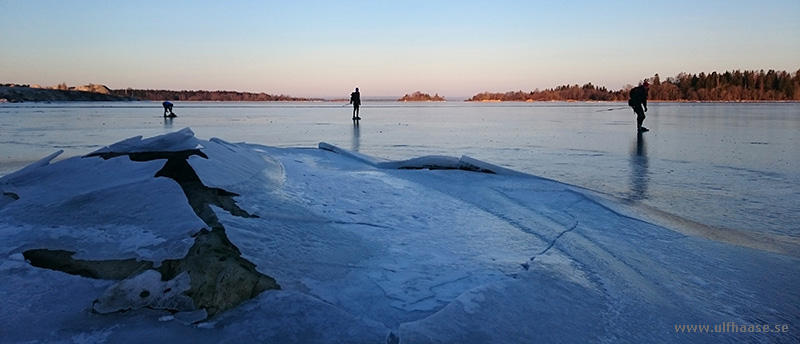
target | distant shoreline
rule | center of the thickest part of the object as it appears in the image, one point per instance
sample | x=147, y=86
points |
x=622, y=101
x=17, y=94
x=21, y=94
x=728, y=87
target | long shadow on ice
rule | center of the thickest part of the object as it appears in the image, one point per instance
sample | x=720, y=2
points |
x=640, y=171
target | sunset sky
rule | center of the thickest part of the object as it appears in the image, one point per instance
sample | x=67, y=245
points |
x=388, y=48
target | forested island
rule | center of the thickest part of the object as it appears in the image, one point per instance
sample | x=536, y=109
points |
x=421, y=97
x=729, y=86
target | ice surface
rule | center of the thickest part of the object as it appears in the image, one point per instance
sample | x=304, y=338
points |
x=101, y=209
x=178, y=141
x=368, y=250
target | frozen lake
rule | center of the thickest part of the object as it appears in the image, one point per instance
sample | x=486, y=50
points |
x=728, y=166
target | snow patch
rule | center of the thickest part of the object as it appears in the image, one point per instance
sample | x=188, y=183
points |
x=146, y=290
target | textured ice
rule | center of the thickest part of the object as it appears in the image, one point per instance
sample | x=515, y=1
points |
x=178, y=141
x=101, y=209
x=425, y=250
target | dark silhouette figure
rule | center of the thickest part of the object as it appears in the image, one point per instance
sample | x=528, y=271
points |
x=168, y=107
x=638, y=102
x=355, y=99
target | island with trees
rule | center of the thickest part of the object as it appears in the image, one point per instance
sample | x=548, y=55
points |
x=421, y=97
x=728, y=86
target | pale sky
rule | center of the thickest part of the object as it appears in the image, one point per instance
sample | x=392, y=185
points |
x=388, y=48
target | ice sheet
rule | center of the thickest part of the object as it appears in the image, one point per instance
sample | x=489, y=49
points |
x=366, y=252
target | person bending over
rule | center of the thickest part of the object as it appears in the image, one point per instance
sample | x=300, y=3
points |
x=168, y=108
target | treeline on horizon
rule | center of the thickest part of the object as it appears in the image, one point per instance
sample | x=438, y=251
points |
x=203, y=95
x=729, y=86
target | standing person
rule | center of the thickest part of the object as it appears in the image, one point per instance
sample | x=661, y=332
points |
x=638, y=102
x=168, y=107
x=355, y=99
